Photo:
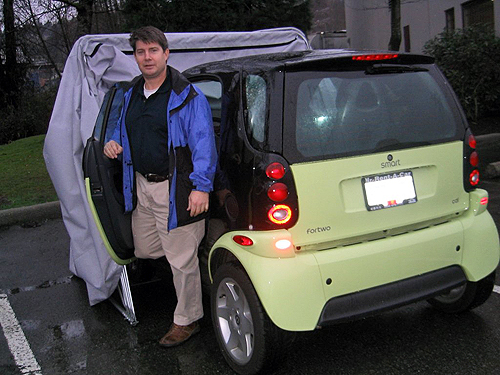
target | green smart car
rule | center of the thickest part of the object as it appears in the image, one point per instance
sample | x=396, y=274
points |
x=346, y=186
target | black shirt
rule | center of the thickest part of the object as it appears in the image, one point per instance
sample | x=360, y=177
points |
x=146, y=123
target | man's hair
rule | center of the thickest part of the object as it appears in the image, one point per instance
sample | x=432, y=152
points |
x=148, y=34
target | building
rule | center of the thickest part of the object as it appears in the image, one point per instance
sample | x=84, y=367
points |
x=366, y=24
x=328, y=29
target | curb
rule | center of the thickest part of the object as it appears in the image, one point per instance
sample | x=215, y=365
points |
x=30, y=214
x=488, y=146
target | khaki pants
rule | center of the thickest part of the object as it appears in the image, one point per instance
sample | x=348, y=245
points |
x=180, y=246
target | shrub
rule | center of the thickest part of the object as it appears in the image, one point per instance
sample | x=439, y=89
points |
x=31, y=117
x=470, y=60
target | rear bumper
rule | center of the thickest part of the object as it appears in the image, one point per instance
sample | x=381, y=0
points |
x=301, y=290
x=386, y=297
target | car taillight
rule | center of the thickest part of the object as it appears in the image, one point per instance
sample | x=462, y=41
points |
x=282, y=244
x=280, y=214
x=474, y=159
x=275, y=171
x=243, y=240
x=277, y=192
x=474, y=177
x=375, y=57
x=471, y=162
x=472, y=141
x=273, y=199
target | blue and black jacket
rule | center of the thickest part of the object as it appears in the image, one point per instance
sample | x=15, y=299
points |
x=191, y=142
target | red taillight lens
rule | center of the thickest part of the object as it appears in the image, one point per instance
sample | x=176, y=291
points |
x=243, y=240
x=280, y=214
x=474, y=159
x=472, y=141
x=375, y=57
x=474, y=177
x=483, y=201
x=275, y=171
x=278, y=192
x=471, y=162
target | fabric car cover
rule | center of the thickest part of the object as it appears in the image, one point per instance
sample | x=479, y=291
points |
x=95, y=63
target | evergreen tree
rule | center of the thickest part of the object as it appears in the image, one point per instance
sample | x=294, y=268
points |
x=217, y=15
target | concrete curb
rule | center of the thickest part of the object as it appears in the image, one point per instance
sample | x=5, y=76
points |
x=30, y=214
x=488, y=146
x=489, y=154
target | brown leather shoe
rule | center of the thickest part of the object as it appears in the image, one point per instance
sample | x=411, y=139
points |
x=177, y=334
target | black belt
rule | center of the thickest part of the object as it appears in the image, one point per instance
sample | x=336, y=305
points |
x=151, y=177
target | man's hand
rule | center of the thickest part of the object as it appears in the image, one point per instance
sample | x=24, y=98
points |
x=197, y=202
x=112, y=149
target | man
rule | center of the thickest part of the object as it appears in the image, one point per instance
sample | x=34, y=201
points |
x=165, y=136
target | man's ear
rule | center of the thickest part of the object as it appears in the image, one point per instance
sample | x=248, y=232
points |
x=167, y=53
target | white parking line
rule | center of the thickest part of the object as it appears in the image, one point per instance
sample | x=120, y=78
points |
x=496, y=289
x=18, y=345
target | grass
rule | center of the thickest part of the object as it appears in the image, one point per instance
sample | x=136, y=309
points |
x=24, y=180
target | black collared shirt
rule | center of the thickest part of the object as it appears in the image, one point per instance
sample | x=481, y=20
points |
x=146, y=123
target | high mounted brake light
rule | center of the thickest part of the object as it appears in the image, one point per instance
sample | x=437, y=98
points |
x=375, y=57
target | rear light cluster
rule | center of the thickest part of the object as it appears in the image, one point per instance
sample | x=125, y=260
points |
x=278, y=192
x=471, y=162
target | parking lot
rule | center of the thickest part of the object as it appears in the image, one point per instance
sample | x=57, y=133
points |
x=49, y=327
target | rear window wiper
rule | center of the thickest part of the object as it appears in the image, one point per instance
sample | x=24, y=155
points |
x=393, y=68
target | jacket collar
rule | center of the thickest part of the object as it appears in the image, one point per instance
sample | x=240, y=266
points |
x=179, y=82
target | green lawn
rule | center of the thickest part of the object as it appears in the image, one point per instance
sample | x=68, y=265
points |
x=24, y=180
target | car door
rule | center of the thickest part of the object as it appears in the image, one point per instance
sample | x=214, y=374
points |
x=103, y=182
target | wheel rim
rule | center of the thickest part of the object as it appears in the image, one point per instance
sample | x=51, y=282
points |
x=235, y=321
x=452, y=296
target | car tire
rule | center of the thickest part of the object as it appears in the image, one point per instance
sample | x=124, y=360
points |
x=250, y=342
x=465, y=297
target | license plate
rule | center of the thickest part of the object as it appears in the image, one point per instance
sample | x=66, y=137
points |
x=389, y=190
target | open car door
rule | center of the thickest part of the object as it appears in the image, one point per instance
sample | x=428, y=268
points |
x=103, y=182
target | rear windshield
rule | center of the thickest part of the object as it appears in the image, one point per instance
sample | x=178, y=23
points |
x=335, y=114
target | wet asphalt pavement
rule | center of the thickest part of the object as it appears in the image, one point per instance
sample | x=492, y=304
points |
x=67, y=336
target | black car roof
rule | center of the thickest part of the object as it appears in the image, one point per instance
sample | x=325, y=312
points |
x=302, y=59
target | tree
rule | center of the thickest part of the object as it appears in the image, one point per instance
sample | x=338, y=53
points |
x=11, y=73
x=217, y=15
x=94, y=16
x=470, y=60
x=395, y=41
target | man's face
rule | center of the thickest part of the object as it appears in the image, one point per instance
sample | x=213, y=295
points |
x=151, y=59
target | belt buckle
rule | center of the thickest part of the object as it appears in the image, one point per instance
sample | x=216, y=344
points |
x=152, y=177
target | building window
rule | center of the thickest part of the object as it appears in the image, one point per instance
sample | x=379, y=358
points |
x=406, y=34
x=478, y=12
x=450, y=19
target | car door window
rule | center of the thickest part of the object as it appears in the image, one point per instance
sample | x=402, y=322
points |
x=109, y=114
x=255, y=90
x=213, y=92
